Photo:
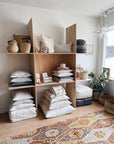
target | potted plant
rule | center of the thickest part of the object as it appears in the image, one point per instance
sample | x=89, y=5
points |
x=97, y=84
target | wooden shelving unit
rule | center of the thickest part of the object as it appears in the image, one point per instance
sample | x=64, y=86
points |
x=40, y=62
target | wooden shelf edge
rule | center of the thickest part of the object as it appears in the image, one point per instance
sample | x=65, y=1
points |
x=20, y=87
x=84, y=53
x=19, y=53
x=82, y=80
x=54, y=53
x=53, y=83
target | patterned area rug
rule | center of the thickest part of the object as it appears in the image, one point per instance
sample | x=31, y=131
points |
x=93, y=128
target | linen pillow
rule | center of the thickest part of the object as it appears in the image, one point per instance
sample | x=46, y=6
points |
x=83, y=91
x=57, y=112
x=62, y=74
x=20, y=74
x=47, y=44
x=66, y=48
x=21, y=79
x=21, y=95
x=21, y=106
x=55, y=105
x=55, y=99
x=22, y=102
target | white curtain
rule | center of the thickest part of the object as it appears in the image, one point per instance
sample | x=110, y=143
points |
x=102, y=39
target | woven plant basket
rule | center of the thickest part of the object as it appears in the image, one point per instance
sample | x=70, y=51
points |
x=95, y=96
x=104, y=97
x=109, y=106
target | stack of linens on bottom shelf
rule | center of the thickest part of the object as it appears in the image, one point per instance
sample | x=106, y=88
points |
x=22, y=106
x=55, y=102
x=20, y=78
x=83, y=95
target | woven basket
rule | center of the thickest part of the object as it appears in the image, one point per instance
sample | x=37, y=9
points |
x=104, y=97
x=95, y=96
x=12, y=46
x=25, y=47
x=109, y=106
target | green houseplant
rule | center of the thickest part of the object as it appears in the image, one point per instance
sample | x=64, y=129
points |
x=97, y=84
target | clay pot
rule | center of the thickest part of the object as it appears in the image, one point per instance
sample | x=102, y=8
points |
x=12, y=46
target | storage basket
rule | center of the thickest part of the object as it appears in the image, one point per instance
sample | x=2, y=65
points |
x=109, y=106
x=95, y=96
x=104, y=97
x=12, y=46
x=23, y=43
x=25, y=46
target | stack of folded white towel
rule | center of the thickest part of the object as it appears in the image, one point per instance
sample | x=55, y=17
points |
x=55, y=102
x=22, y=106
x=21, y=78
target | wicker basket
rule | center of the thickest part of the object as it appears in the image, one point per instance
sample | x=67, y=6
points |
x=104, y=97
x=109, y=106
x=12, y=46
x=23, y=43
x=25, y=47
x=95, y=96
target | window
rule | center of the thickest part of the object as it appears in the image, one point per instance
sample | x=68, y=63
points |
x=109, y=52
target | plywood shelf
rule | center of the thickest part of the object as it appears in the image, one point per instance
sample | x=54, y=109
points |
x=20, y=53
x=84, y=53
x=52, y=83
x=20, y=87
x=79, y=80
x=55, y=53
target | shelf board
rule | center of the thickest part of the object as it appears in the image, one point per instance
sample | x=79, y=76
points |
x=19, y=53
x=20, y=87
x=78, y=80
x=54, y=53
x=52, y=83
x=84, y=53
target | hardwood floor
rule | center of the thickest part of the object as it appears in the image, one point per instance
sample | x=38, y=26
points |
x=12, y=129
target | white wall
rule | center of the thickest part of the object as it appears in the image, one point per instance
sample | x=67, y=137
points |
x=13, y=19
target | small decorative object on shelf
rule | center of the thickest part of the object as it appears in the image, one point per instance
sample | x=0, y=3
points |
x=25, y=45
x=81, y=46
x=12, y=46
x=81, y=73
x=46, y=78
x=63, y=74
x=38, y=78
